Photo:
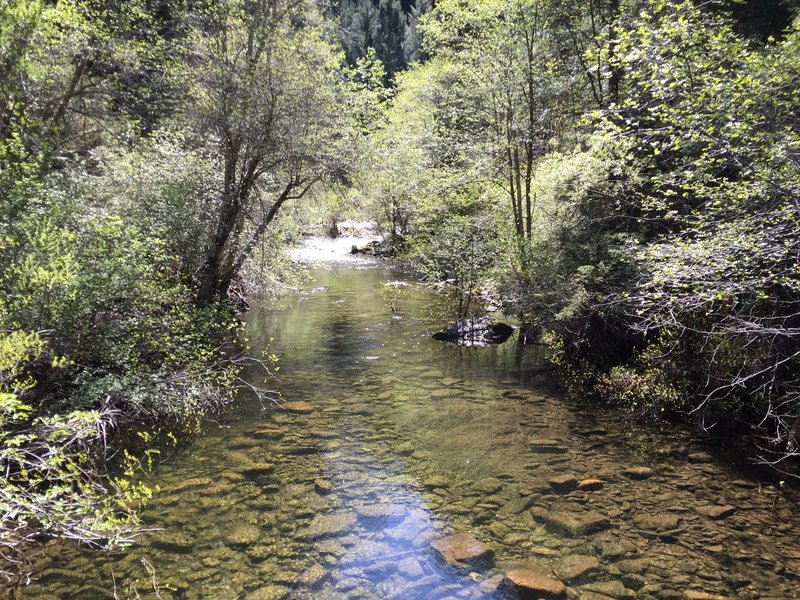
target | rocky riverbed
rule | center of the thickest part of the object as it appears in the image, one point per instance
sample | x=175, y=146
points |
x=401, y=468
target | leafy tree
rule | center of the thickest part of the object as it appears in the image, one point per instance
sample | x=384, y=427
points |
x=265, y=94
x=713, y=119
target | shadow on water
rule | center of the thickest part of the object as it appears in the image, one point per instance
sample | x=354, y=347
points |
x=412, y=440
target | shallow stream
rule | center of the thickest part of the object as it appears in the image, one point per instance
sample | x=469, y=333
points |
x=409, y=440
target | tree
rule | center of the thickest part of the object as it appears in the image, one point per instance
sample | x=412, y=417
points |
x=266, y=97
x=359, y=28
x=713, y=120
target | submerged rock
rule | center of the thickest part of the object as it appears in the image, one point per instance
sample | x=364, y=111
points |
x=302, y=408
x=716, y=512
x=270, y=592
x=638, y=473
x=525, y=583
x=658, y=522
x=243, y=535
x=573, y=523
x=331, y=524
x=590, y=485
x=383, y=513
x=563, y=483
x=576, y=566
x=478, y=331
x=463, y=551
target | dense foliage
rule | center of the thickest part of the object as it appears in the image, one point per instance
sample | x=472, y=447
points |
x=634, y=165
x=145, y=150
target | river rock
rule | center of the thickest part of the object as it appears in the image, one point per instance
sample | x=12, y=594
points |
x=406, y=448
x=563, y=483
x=574, y=523
x=657, y=522
x=272, y=433
x=576, y=566
x=463, y=551
x=490, y=585
x=243, y=535
x=698, y=595
x=270, y=592
x=366, y=552
x=313, y=576
x=257, y=469
x=383, y=513
x=590, y=485
x=323, y=486
x=436, y=481
x=616, y=550
x=716, y=512
x=410, y=568
x=638, y=473
x=546, y=446
x=178, y=541
x=331, y=524
x=525, y=583
x=477, y=331
x=516, y=506
x=612, y=589
x=301, y=408
x=196, y=482
x=700, y=457
x=488, y=486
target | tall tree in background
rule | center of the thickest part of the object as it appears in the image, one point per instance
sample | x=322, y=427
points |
x=392, y=22
x=359, y=28
x=412, y=43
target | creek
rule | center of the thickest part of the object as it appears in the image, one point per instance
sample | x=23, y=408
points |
x=407, y=441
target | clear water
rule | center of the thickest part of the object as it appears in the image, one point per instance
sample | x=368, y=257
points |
x=411, y=440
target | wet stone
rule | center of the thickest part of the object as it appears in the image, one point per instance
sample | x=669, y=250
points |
x=270, y=432
x=302, y=408
x=576, y=566
x=563, y=483
x=638, y=473
x=323, y=486
x=633, y=566
x=716, y=512
x=590, y=485
x=615, y=550
x=383, y=513
x=516, y=507
x=700, y=457
x=488, y=486
x=365, y=552
x=699, y=595
x=546, y=446
x=462, y=551
x=612, y=589
x=657, y=522
x=410, y=568
x=175, y=541
x=491, y=584
x=525, y=583
x=243, y=535
x=573, y=523
x=331, y=524
x=406, y=448
x=195, y=482
x=435, y=482
x=257, y=469
x=313, y=576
